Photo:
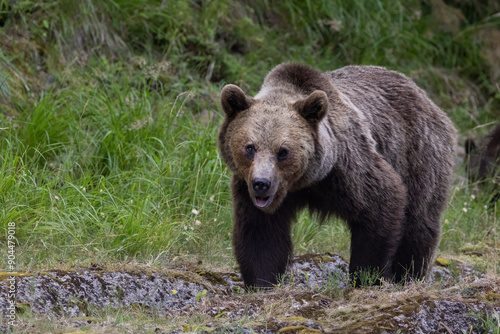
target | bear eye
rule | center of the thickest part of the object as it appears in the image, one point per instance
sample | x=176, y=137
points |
x=282, y=154
x=250, y=149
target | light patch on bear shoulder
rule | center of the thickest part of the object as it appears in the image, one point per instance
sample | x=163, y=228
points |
x=361, y=116
x=347, y=101
x=329, y=157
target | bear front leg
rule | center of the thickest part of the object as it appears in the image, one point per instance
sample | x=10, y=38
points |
x=262, y=242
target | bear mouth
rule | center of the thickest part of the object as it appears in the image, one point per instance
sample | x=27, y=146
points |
x=263, y=202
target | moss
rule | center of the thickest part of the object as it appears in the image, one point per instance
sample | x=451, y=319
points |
x=492, y=296
x=213, y=277
x=52, y=277
x=5, y=274
x=443, y=262
x=289, y=319
x=409, y=309
x=298, y=329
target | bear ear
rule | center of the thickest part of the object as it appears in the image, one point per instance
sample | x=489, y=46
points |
x=470, y=146
x=233, y=100
x=493, y=146
x=314, y=107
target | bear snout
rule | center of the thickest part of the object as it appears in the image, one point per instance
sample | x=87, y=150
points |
x=261, y=195
x=260, y=186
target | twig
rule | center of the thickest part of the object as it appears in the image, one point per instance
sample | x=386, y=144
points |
x=447, y=328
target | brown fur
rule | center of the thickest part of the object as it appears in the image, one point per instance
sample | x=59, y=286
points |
x=361, y=142
x=482, y=162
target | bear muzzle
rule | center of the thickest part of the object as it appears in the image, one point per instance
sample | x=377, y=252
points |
x=260, y=188
x=262, y=192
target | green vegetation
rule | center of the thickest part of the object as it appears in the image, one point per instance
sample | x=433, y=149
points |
x=110, y=115
x=489, y=324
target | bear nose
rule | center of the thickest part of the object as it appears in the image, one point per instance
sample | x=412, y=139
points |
x=261, y=185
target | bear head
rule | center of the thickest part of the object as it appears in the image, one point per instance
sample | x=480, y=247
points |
x=483, y=162
x=270, y=140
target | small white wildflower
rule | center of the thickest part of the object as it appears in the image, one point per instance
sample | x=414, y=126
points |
x=100, y=190
x=465, y=209
x=335, y=25
x=102, y=214
x=212, y=198
x=197, y=222
x=446, y=221
x=486, y=207
x=195, y=212
x=473, y=196
x=417, y=14
x=215, y=219
x=56, y=197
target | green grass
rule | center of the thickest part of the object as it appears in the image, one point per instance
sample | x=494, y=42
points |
x=489, y=323
x=109, y=174
x=108, y=130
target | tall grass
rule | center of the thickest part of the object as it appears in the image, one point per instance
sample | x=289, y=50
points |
x=113, y=173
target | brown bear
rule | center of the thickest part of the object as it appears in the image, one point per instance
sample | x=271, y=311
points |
x=362, y=143
x=482, y=162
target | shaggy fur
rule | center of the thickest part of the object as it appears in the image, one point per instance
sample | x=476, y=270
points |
x=362, y=143
x=483, y=162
